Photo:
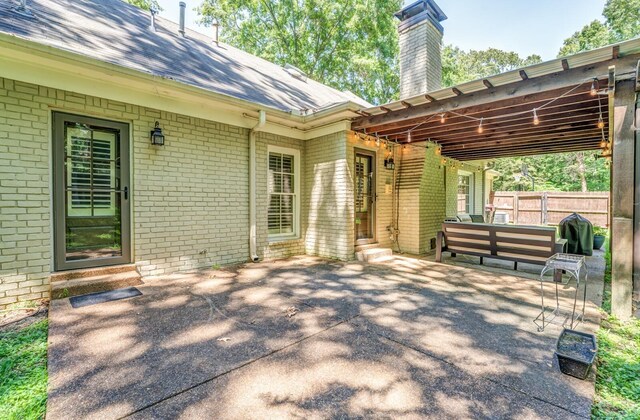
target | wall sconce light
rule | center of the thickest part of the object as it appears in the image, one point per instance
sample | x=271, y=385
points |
x=157, y=138
x=389, y=164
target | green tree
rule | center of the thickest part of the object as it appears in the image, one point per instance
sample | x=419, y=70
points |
x=460, y=66
x=348, y=44
x=623, y=18
x=145, y=4
x=554, y=172
x=621, y=22
x=594, y=35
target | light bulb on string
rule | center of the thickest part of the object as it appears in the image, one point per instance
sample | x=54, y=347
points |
x=600, y=122
x=409, y=137
x=438, y=150
x=536, y=120
x=603, y=144
x=480, y=128
x=593, y=90
x=442, y=119
x=377, y=140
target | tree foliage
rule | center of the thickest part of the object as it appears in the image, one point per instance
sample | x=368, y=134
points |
x=350, y=44
x=461, y=66
x=555, y=172
x=621, y=22
x=145, y=4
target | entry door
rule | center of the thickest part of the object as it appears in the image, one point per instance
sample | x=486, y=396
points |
x=91, y=192
x=365, y=196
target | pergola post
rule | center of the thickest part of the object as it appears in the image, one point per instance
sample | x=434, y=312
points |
x=622, y=197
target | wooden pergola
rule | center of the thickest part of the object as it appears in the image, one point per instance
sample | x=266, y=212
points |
x=582, y=102
x=571, y=97
x=572, y=122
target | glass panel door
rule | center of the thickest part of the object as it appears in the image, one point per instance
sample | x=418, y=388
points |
x=364, y=196
x=91, y=192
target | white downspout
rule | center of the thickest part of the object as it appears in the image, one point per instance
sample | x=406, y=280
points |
x=253, y=236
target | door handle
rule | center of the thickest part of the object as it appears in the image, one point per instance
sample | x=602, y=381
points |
x=125, y=190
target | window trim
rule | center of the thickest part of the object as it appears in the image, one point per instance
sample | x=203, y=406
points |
x=471, y=203
x=281, y=237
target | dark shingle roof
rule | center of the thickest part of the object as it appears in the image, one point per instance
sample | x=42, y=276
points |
x=118, y=33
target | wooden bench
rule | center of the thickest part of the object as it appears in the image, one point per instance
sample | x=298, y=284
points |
x=526, y=244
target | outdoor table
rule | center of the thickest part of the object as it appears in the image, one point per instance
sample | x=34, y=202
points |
x=576, y=267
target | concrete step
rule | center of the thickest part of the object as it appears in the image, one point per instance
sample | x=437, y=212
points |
x=359, y=248
x=91, y=272
x=61, y=289
x=374, y=254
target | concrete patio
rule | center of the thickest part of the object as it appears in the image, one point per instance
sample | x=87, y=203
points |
x=312, y=338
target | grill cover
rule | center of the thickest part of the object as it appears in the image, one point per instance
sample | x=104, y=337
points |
x=578, y=232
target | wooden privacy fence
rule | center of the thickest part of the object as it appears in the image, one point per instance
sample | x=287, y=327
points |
x=550, y=207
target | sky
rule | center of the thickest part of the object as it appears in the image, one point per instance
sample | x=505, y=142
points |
x=524, y=26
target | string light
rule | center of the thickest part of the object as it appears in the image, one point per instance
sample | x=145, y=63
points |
x=603, y=144
x=387, y=143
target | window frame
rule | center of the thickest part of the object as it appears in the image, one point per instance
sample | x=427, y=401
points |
x=280, y=237
x=470, y=195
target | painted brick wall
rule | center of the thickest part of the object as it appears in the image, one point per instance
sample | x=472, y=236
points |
x=187, y=196
x=420, y=59
x=478, y=201
x=330, y=229
x=410, y=164
x=25, y=251
x=451, y=195
x=422, y=199
x=432, y=203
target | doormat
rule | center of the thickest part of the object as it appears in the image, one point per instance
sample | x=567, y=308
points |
x=102, y=297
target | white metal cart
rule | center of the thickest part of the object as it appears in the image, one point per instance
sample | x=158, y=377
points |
x=576, y=267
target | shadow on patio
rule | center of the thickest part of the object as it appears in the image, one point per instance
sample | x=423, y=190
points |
x=405, y=338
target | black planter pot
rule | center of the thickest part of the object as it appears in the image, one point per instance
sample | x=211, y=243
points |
x=598, y=241
x=576, y=352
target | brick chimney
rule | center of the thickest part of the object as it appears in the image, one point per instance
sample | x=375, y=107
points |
x=420, y=47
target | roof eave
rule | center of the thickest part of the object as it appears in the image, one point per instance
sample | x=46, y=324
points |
x=50, y=64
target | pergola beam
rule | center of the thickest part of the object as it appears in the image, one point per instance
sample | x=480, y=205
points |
x=519, y=141
x=622, y=196
x=583, y=145
x=548, y=142
x=510, y=127
x=530, y=86
x=582, y=100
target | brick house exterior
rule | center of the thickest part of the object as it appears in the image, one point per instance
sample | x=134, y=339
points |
x=190, y=198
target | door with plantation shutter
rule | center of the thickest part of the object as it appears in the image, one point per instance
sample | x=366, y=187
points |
x=91, y=192
x=365, y=196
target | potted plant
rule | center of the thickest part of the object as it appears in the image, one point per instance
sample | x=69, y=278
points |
x=599, y=236
x=576, y=352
